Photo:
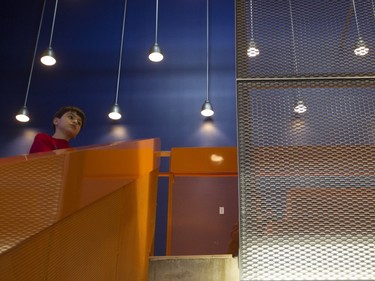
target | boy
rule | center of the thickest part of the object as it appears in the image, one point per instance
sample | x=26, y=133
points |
x=67, y=122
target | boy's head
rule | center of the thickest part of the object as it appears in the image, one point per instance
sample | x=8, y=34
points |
x=73, y=109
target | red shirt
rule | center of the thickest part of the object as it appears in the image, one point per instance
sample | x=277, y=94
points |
x=43, y=142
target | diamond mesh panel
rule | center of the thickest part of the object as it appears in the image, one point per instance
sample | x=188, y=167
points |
x=307, y=181
x=304, y=38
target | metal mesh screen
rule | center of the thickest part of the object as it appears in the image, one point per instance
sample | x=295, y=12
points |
x=304, y=38
x=307, y=181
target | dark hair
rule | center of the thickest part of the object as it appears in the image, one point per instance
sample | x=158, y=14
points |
x=74, y=109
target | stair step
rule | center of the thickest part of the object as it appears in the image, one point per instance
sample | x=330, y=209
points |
x=193, y=268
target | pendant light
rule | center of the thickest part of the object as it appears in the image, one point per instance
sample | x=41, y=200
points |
x=155, y=52
x=48, y=56
x=115, y=113
x=23, y=113
x=360, y=48
x=207, y=109
x=253, y=50
x=299, y=106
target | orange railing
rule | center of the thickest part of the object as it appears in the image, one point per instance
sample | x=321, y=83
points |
x=79, y=214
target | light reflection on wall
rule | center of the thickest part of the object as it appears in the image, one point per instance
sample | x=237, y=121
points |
x=208, y=127
x=22, y=143
x=208, y=134
x=298, y=124
x=299, y=130
x=116, y=133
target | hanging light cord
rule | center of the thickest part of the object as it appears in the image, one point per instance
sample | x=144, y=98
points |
x=251, y=21
x=207, y=53
x=293, y=38
x=53, y=23
x=356, y=19
x=36, y=46
x=294, y=47
x=156, y=21
x=121, y=47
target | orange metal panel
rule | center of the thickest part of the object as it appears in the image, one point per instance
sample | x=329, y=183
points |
x=204, y=160
x=86, y=213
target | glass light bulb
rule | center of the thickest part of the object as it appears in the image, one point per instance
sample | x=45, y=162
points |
x=114, y=115
x=207, y=112
x=48, y=60
x=207, y=109
x=300, y=107
x=22, y=118
x=253, y=50
x=23, y=115
x=155, y=57
x=361, y=49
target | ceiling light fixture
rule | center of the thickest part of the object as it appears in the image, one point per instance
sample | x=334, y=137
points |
x=360, y=48
x=253, y=50
x=23, y=113
x=115, y=113
x=299, y=107
x=207, y=109
x=155, y=52
x=48, y=56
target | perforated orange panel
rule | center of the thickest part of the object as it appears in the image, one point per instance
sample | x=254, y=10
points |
x=30, y=196
x=65, y=218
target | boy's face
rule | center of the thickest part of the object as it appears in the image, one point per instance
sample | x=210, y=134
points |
x=69, y=124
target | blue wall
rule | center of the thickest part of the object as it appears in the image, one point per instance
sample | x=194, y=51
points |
x=158, y=100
